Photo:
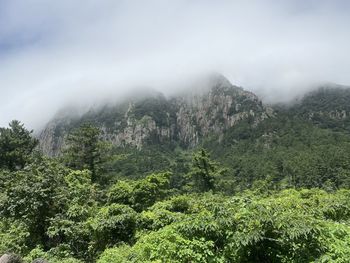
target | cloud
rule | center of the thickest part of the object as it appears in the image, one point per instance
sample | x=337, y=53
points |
x=78, y=51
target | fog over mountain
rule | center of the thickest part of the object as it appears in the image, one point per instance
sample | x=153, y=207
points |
x=55, y=53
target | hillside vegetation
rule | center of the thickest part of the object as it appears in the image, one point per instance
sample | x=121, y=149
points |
x=271, y=186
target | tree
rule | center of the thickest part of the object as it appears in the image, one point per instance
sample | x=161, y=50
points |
x=85, y=150
x=142, y=193
x=16, y=146
x=149, y=190
x=204, y=171
x=112, y=224
x=69, y=226
x=32, y=196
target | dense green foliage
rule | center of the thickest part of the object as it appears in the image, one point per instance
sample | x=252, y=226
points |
x=273, y=191
x=16, y=144
x=288, y=226
x=86, y=150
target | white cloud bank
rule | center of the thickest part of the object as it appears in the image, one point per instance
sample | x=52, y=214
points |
x=76, y=51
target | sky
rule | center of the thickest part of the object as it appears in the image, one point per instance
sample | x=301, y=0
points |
x=61, y=52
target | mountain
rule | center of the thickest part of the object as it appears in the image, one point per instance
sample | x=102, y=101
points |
x=302, y=144
x=213, y=175
x=184, y=119
x=328, y=107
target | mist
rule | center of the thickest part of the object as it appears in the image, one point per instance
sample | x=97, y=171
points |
x=57, y=53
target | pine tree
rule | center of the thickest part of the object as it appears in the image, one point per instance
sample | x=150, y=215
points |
x=85, y=150
x=16, y=146
x=204, y=171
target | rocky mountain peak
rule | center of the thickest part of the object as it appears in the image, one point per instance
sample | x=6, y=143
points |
x=183, y=119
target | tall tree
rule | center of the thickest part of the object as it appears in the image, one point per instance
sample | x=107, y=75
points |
x=85, y=149
x=204, y=171
x=16, y=146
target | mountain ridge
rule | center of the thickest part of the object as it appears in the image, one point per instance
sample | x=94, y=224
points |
x=183, y=119
x=186, y=119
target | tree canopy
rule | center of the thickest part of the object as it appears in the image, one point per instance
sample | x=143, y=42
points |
x=281, y=198
x=16, y=146
x=85, y=150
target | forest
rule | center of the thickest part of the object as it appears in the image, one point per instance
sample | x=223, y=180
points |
x=278, y=192
x=174, y=131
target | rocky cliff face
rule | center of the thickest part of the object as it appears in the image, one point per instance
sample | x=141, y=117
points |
x=327, y=107
x=184, y=119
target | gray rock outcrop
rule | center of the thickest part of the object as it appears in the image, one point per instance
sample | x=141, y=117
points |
x=185, y=118
x=10, y=258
